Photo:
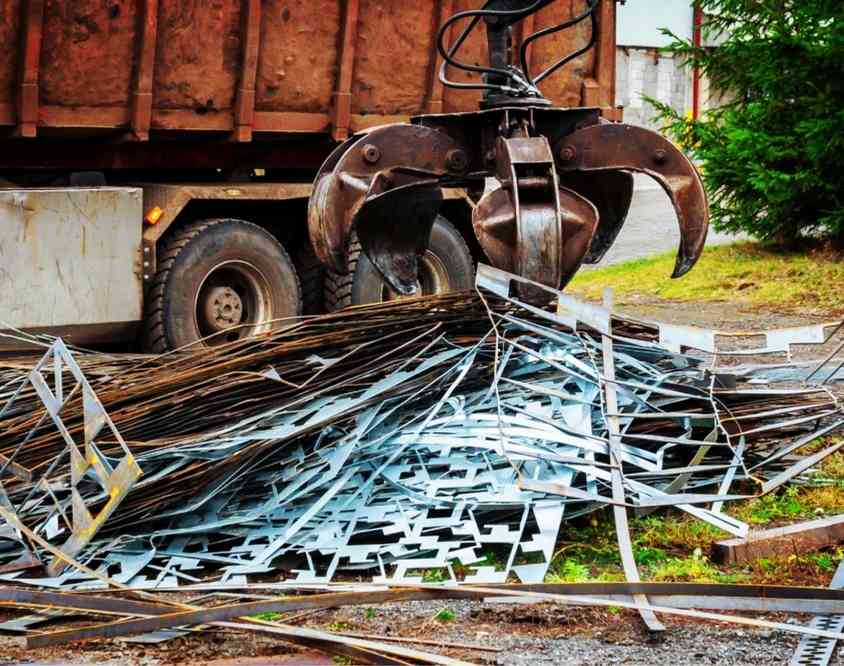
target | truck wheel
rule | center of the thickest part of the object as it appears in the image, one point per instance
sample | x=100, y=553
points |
x=311, y=278
x=223, y=278
x=445, y=266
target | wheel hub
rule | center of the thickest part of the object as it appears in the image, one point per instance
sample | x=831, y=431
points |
x=432, y=279
x=223, y=308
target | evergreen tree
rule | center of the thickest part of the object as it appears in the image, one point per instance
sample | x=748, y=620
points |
x=773, y=154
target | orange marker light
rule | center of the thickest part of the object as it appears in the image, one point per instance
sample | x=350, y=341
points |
x=153, y=215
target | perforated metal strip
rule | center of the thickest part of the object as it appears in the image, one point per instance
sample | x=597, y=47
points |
x=815, y=650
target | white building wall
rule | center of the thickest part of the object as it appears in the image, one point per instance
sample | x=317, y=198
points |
x=641, y=69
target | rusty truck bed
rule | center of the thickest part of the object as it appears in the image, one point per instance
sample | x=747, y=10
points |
x=123, y=73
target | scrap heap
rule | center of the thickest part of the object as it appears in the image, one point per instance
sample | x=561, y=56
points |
x=449, y=435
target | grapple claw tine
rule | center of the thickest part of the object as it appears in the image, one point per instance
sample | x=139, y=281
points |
x=497, y=229
x=611, y=192
x=394, y=228
x=613, y=147
x=579, y=220
x=385, y=186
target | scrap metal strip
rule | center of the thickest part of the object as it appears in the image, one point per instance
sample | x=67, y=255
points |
x=814, y=650
x=622, y=528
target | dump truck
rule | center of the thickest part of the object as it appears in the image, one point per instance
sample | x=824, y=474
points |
x=158, y=157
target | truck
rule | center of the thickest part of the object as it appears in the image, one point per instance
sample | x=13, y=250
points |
x=157, y=156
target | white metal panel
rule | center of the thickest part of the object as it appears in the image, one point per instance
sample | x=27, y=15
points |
x=640, y=22
x=70, y=256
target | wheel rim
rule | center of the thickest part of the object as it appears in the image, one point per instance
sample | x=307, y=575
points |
x=233, y=302
x=432, y=279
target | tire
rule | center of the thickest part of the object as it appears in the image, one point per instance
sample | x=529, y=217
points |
x=227, y=278
x=312, y=278
x=446, y=266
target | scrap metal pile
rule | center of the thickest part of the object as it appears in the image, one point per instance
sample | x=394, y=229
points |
x=451, y=435
x=387, y=440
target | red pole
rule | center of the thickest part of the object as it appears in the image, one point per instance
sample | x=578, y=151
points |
x=698, y=41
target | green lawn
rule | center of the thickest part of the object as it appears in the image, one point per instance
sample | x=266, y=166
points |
x=745, y=273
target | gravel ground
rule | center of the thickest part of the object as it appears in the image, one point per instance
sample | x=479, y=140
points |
x=523, y=635
x=553, y=635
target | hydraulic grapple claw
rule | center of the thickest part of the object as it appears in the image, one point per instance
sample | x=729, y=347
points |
x=394, y=248
x=556, y=183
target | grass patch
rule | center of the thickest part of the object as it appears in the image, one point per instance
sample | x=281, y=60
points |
x=786, y=505
x=832, y=468
x=339, y=626
x=747, y=273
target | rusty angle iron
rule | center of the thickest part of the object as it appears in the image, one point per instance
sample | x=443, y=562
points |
x=552, y=186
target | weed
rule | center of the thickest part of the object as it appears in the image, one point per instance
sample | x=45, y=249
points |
x=435, y=576
x=828, y=499
x=268, y=617
x=787, y=505
x=825, y=561
x=445, y=615
x=338, y=626
x=697, y=569
x=568, y=571
x=645, y=556
x=672, y=533
x=611, y=577
x=833, y=467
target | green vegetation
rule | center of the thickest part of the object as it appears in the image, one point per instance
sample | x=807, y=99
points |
x=673, y=546
x=338, y=626
x=435, y=576
x=745, y=273
x=773, y=154
x=786, y=505
x=696, y=568
x=268, y=617
x=445, y=615
x=568, y=571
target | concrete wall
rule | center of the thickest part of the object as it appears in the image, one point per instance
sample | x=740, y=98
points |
x=641, y=69
x=645, y=72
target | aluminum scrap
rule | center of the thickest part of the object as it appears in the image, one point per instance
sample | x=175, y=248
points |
x=814, y=650
x=448, y=437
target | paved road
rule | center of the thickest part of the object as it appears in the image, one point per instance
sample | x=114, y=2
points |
x=651, y=227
